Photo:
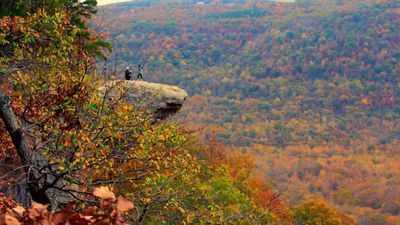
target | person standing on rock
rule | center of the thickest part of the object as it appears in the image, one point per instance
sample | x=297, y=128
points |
x=128, y=73
x=140, y=72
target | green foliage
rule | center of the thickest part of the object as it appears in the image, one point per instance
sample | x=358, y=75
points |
x=78, y=12
x=23, y=8
x=255, y=12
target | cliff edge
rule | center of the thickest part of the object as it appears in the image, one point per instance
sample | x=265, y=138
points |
x=161, y=99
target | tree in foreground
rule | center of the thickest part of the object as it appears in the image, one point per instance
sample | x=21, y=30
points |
x=67, y=139
x=62, y=142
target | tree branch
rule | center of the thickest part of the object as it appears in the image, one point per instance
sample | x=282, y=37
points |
x=21, y=145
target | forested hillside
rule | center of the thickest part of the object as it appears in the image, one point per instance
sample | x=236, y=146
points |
x=310, y=90
x=71, y=141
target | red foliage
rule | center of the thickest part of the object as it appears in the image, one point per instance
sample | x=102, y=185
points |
x=108, y=212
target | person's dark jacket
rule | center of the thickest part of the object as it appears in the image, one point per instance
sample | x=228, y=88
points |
x=128, y=74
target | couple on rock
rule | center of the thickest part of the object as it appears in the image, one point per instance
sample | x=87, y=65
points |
x=139, y=75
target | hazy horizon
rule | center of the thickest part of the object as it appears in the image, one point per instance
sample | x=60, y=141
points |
x=105, y=2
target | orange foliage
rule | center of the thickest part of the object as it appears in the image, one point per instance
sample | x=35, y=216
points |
x=315, y=211
x=109, y=212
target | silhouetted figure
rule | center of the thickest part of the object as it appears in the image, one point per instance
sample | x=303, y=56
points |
x=140, y=72
x=128, y=73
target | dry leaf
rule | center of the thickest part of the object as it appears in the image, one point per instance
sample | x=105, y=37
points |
x=8, y=219
x=37, y=210
x=124, y=205
x=53, y=91
x=19, y=210
x=103, y=193
x=89, y=211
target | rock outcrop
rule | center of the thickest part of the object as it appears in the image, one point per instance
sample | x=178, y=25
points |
x=161, y=99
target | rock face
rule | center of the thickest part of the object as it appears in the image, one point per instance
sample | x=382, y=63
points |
x=161, y=99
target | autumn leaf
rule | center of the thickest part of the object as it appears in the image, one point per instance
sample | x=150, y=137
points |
x=103, y=193
x=124, y=205
x=37, y=210
x=181, y=210
x=19, y=210
x=8, y=219
x=365, y=101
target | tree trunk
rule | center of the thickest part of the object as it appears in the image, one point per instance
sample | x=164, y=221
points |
x=21, y=145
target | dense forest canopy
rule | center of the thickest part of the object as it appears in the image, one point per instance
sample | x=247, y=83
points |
x=310, y=89
x=67, y=150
